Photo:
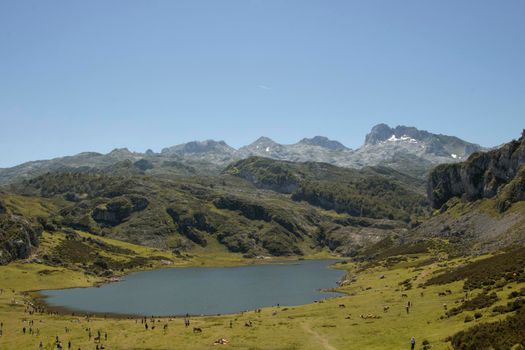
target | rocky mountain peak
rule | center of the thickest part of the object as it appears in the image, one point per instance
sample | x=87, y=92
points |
x=384, y=133
x=263, y=140
x=197, y=147
x=379, y=132
x=325, y=142
x=263, y=147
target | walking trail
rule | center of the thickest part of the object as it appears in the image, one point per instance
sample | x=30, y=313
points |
x=322, y=340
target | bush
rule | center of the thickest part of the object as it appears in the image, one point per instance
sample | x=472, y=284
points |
x=498, y=335
x=480, y=301
x=510, y=307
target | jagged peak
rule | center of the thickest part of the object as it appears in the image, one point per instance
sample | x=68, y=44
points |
x=383, y=132
x=264, y=139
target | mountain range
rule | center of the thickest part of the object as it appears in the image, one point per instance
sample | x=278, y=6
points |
x=198, y=194
x=403, y=148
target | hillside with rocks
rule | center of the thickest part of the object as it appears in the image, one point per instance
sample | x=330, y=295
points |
x=480, y=203
x=482, y=175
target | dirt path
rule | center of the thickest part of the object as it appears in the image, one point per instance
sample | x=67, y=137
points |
x=322, y=340
x=423, y=275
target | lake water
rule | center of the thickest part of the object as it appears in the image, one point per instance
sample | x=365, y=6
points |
x=177, y=291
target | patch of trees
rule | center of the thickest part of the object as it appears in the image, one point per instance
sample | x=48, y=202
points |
x=372, y=197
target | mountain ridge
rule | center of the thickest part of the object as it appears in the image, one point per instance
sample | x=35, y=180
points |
x=403, y=148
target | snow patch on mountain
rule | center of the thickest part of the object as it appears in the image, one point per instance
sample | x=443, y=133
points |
x=403, y=138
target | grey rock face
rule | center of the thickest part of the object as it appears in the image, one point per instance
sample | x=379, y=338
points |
x=480, y=176
x=18, y=237
x=380, y=132
x=118, y=209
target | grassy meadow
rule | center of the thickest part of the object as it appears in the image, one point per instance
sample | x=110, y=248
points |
x=361, y=324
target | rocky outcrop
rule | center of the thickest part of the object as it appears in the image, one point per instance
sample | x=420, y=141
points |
x=192, y=225
x=513, y=192
x=18, y=236
x=254, y=211
x=143, y=164
x=265, y=173
x=251, y=211
x=118, y=209
x=481, y=176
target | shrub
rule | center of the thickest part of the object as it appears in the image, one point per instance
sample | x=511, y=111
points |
x=498, y=335
x=480, y=301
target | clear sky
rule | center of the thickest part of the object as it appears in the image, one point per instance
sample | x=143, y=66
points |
x=99, y=74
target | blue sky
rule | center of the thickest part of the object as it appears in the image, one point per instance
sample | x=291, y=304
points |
x=100, y=74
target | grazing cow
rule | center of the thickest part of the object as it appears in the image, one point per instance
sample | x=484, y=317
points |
x=197, y=330
x=386, y=308
x=404, y=295
x=342, y=306
x=445, y=306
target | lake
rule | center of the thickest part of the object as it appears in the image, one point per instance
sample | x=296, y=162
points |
x=202, y=290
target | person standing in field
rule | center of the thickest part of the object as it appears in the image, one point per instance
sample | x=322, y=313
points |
x=413, y=343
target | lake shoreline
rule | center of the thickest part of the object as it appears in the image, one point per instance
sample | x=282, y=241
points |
x=40, y=300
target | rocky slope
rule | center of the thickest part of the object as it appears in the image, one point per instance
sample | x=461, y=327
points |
x=19, y=234
x=405, y=149
x=482, y=175
x=481, y=201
